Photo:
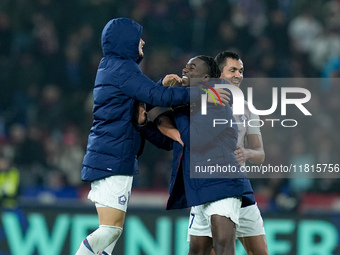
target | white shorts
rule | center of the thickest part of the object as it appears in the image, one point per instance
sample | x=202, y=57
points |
x=113, y=191
x=250, y=223
x=200, y=216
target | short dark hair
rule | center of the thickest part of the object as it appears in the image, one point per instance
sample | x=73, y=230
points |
x=221, y=58
x=211, y=66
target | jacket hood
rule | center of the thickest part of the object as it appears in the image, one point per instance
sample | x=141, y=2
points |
x=120, y=37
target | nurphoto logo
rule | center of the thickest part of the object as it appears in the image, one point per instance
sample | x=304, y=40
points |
x=238, y=104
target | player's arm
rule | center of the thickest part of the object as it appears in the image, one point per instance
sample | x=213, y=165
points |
x=139, y=87
x=255, y=153
x=166, y=126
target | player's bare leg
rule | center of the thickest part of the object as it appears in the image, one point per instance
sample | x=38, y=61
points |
x=111, y=216
x=200, y=245
x=255, y=245
x=223, y=234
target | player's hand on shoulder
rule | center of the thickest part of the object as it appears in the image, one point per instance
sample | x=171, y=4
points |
x=223, y=94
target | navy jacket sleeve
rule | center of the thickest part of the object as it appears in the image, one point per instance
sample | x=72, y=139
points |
x=140, y=87
x=182, y=119
x=149, y=107
x=160, y=82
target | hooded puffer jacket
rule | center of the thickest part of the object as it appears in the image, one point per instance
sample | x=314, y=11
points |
x=113, y=142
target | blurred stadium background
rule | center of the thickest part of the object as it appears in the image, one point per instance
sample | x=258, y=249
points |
x=49, y=52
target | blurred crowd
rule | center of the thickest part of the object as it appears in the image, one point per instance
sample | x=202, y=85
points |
x=50, y=50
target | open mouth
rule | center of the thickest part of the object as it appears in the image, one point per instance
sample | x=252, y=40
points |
x=185, y=80
x=235, y=81
x=184, y=77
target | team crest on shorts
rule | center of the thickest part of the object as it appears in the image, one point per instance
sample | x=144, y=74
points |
x=122, y=200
